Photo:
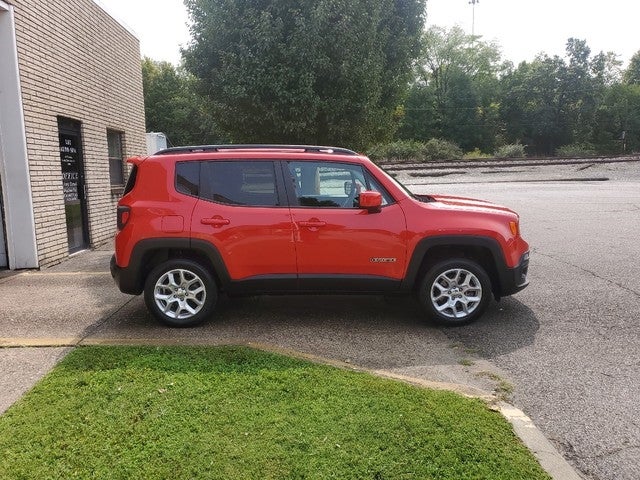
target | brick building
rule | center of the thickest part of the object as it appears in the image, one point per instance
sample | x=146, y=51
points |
x=71, y=109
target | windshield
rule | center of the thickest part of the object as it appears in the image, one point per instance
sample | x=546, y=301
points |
x=399, y=184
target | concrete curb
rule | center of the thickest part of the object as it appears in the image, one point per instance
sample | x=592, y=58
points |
x=549, y=458
x=546, y=454
x=40, y=342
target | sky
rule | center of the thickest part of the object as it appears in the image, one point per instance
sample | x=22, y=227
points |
x=521, y=28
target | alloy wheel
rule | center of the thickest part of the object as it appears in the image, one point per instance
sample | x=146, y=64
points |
x=456, y=293
x=180, y=294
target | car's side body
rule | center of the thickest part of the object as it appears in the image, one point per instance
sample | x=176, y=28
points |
x=274, y=219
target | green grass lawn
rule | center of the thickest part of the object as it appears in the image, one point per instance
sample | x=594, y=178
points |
x=238, y=413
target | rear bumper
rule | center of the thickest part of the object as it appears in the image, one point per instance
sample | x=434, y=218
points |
x=126, y=279
x=115, y=269
x=512, y=280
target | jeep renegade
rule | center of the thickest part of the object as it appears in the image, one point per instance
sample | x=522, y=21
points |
x=195, y=222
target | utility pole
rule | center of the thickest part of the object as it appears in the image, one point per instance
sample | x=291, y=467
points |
x=473, y=16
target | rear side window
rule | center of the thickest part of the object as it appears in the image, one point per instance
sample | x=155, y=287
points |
x=131, y=181
x=249, y=183
x=188, y=178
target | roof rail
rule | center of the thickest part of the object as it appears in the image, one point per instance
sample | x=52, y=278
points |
x=218, y=148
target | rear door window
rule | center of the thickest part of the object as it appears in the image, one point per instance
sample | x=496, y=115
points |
x=250, y=183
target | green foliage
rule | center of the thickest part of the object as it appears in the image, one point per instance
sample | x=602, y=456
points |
x=236, y=413
x=463, y=93
x=576, y=150
x=439, y=149
x=398, y=151
x=338, y=72
x=514, y=150
x=617, y=124
x=572, y=106
x=632, y=73
x=553, y=101
x=605, y=69
x=413, y=151
x=453, y=96
x=534, y=107
x=322, y=72
x=173, y=107
x=476, y=153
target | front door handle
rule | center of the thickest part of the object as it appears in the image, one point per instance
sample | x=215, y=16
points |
x=312, y=223
x=216, y=221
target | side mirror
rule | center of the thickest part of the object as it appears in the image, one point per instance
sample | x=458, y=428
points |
x=371, y=201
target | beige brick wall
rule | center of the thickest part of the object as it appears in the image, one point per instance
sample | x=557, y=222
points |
x=76, y=61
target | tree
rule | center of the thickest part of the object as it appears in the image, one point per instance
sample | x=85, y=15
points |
x=173, y=107
x=284, y=71
x=553, y=101
x=632, y=73
x=534, y=106
x=617, y=123
x=606, y=69
x=453, y=96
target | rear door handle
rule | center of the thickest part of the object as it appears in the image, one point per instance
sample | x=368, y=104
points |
x=215, y=221
x=312, y=224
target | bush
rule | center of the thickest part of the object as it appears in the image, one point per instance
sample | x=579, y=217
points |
x=438, y=149
x=401, y=150
x=475, y=154
x=576, y=150
x=514, y=150
x=413, y=151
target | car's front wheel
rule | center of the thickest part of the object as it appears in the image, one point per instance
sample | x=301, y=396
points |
x=180, y=293
x=455, y=292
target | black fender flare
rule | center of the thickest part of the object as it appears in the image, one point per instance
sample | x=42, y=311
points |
x=131, y=278
x=457, y=241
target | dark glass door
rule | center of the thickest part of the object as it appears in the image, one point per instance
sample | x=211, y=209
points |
x=75, y=205
x=3, y=246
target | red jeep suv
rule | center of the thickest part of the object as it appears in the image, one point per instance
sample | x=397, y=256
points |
x=195, y=222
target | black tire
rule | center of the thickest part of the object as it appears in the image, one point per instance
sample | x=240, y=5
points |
x=455, y=292
x=180, y=293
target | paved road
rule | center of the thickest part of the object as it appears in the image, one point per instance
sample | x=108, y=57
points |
x=568, y=343
x=571, y=341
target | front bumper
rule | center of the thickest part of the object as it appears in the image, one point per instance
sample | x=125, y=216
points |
x=512, y=280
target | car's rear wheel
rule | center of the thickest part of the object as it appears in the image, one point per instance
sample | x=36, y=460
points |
x=455, y=291
x=180, y=293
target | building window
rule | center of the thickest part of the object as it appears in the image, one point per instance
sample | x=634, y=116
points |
x=116, y=164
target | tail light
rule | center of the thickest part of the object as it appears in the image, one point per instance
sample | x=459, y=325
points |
x=124, y=213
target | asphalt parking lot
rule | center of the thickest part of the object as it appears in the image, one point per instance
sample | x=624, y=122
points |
x=568, y=344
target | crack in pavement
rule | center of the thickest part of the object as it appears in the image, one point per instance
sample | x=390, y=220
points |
x=612, y=452
x=585, y=270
